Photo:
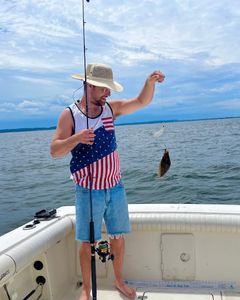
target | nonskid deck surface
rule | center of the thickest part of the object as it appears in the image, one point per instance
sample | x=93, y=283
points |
x=110, y=293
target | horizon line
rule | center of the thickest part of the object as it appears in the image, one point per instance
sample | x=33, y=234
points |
x=23, y=129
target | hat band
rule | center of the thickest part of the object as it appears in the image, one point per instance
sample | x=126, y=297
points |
x=100, y=79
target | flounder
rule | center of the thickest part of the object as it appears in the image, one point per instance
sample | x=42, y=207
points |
x=165, y=163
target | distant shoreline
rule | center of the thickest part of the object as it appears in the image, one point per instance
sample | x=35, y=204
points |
x=120, y=124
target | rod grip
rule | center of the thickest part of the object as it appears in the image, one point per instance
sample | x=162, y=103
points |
x=94, y=281
x=92, y=238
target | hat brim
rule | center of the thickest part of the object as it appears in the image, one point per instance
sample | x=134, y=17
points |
x=110, y=84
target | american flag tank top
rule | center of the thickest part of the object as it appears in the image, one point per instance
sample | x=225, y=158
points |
x=101, y=159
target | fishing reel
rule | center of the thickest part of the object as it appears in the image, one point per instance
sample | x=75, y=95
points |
x=103, y=251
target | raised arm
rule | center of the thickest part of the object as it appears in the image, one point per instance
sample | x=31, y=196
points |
x=64, y=140
x=124, y=107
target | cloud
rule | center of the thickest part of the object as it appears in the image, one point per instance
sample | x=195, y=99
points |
x=173, y=30
x=195, y=43
x=226, y=87
x=139, y=31
x=32, y=63
x=229, y=104
x=36, y=107
x=7, y=107
x=35, y=80
x=29, y=106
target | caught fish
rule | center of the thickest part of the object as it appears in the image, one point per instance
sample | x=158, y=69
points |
x=165, y=163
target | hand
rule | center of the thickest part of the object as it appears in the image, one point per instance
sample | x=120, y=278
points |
x=86, y=136
x=156, y=76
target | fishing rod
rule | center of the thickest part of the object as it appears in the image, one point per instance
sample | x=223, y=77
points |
x=91, y=224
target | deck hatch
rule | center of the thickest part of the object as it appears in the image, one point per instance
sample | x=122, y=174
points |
x=178, y=256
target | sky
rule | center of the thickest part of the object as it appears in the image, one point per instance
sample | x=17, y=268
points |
x=194, y=43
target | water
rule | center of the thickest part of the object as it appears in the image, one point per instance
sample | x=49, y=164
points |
x=205, y=168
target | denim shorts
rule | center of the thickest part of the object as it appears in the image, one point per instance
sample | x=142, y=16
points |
x=109, y=205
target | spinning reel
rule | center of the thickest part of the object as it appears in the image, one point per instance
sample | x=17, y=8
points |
x=103, y=251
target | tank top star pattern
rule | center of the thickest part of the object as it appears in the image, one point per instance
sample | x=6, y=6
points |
x=102, y=157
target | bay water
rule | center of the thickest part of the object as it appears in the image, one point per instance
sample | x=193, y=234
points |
x=205, y=167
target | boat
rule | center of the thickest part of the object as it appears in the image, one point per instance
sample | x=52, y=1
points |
x=174, y=252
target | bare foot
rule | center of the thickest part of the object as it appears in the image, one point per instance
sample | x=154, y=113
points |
x=126, y=290
x=85, y=294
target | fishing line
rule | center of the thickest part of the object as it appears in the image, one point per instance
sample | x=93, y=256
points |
x=165, y=161
x=91, y=224
x=159, y=132
x=74, y=92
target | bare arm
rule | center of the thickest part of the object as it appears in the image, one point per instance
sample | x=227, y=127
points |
x=63, y=141
x=124, y=107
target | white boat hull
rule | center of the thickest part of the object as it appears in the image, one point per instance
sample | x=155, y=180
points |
x=174, y=252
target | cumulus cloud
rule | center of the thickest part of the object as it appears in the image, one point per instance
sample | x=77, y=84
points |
x=27, y=106
x=196, y=43
x=140, y=31
x=35, y=107
x=173, y=30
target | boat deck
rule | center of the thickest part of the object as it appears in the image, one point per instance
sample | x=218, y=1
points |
x=112, y=294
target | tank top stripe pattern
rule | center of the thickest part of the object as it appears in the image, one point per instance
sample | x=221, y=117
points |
x=108, y=123
x=105, y=173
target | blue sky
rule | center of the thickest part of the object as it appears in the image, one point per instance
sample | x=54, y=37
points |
x=195, y=43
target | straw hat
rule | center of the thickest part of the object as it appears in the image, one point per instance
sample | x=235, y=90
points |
x=100, y=75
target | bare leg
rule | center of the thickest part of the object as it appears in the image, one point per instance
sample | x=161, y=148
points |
x=85, y=263
x=117, y=249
